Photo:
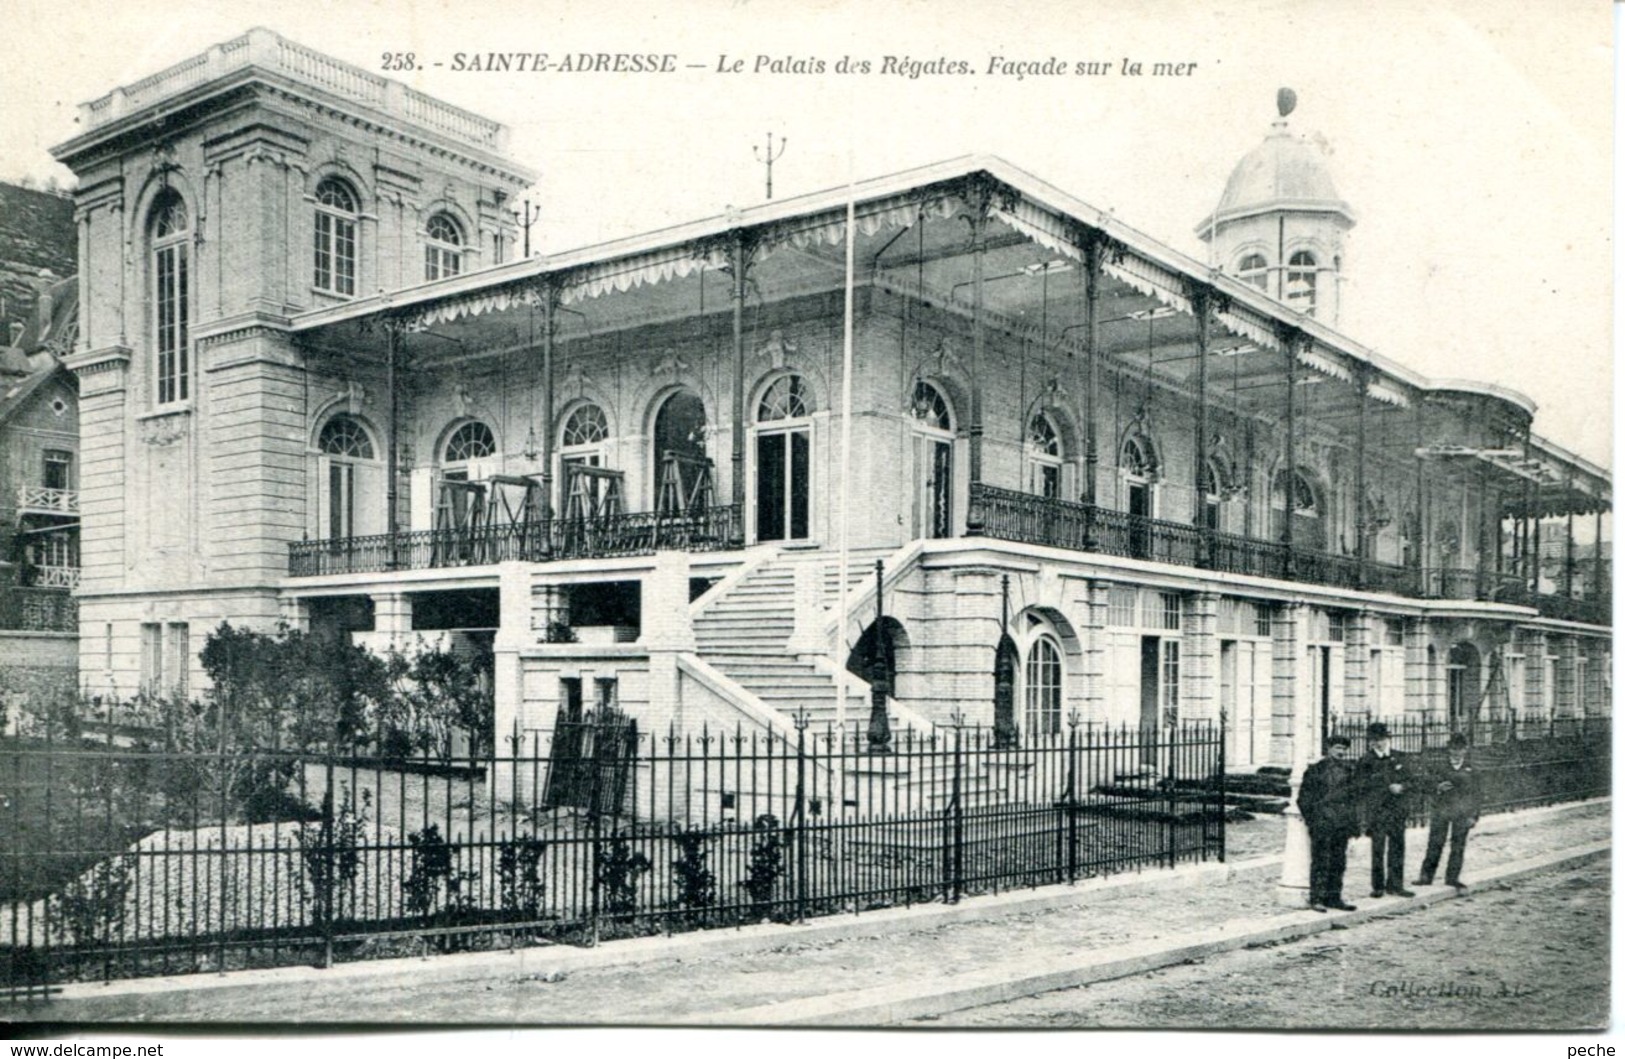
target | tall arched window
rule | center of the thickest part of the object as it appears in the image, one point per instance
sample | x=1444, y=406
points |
x=337, y=214
x=171, y=294
x=469, y=442
x=581, y=444
x=1254, y=269
x=351, y=481
x=682, y=470
x=784, y=461
x=1300, y=282
x=1136, y=463
x=1045, y=458
x=443, y=253
x=1041, y=678
x=933, y=460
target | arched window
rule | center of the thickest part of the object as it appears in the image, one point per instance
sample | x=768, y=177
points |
x=929, y=408
x=784, y=461
x=1137, y=465
x=343, y=436
x=585, y=426
x=1042, y=683
x=171, y=298
x=443, y=254
x=1044, y=456
x=350, y=500
x=933, y=461
x=337, y=212
x=469, y=442
x=1254, y=269
x=786, y=398
x=1300, y=282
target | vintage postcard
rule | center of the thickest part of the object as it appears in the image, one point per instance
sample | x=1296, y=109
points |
x=810, y=514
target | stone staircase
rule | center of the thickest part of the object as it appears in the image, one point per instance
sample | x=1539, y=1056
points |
x=745, y=635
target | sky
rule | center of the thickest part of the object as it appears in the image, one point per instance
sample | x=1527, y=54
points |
x=1473, y=140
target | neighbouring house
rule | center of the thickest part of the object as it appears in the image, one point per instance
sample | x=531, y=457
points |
x=319, y=386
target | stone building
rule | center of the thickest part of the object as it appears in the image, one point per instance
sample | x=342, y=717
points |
x=319, y=386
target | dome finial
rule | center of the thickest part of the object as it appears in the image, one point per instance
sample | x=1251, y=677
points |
x=1286, y=101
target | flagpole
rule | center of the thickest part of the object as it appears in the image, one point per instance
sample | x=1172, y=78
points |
x=836, y=648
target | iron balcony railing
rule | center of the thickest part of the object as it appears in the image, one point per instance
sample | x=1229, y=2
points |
x=602, y=537
x=1015, y=516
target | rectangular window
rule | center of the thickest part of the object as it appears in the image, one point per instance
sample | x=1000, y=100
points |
x=1120, y=607
x=1263, y=616
x=570, y=700
x=607, y=692
x=1163, y=610
x=1337, y=626
x=1170, y=678
x=152, y=658
x=58, y=469
x=1394, y=633
x=178, y=646
x=171, y=323
x=335, y=254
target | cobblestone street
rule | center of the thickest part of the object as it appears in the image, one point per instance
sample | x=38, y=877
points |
x=1533, y=955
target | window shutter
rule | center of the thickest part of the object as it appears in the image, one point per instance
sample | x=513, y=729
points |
x=425, y=482
x=321, y=521
x=370, y=499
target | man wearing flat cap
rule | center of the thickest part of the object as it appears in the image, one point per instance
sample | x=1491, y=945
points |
x=1454, y=812
x=1329, y=803
x=1384, y=777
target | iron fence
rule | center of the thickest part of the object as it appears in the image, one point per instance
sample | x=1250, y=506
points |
x=122, y=862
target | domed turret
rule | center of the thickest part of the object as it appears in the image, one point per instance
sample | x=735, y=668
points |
x=1280, y=223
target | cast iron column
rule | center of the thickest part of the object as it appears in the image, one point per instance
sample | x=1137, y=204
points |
x=1361, y=527
x=392, y=457
x=1290, y=475
x=740, y=257
x=1202, y=302
x=549, y=318
x=1094, y=250
x=973, y=525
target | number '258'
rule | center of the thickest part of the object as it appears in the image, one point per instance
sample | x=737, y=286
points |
x=400, y=60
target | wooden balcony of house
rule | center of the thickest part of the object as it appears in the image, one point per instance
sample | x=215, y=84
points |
x=1010, y=515
x=63, y=577
x=40, y=500
x=605, y=536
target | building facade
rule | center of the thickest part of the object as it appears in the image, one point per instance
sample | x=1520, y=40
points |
x=318, y=386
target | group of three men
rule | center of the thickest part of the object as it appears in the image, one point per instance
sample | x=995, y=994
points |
x=1340, y=798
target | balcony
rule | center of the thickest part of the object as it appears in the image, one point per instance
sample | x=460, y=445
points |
x=1014, y=516
x=49, y=577
x=40, y=500
x=548, y=540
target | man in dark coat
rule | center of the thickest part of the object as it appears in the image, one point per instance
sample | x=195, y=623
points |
x=1329, y=802
x=1385, y=780
x=1454, y=812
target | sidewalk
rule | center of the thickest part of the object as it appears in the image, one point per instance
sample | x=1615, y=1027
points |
x=869, y=969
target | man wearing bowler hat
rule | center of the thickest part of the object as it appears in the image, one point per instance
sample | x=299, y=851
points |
x=1329, y=802
x=1454, y=812
x=1385, y=778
